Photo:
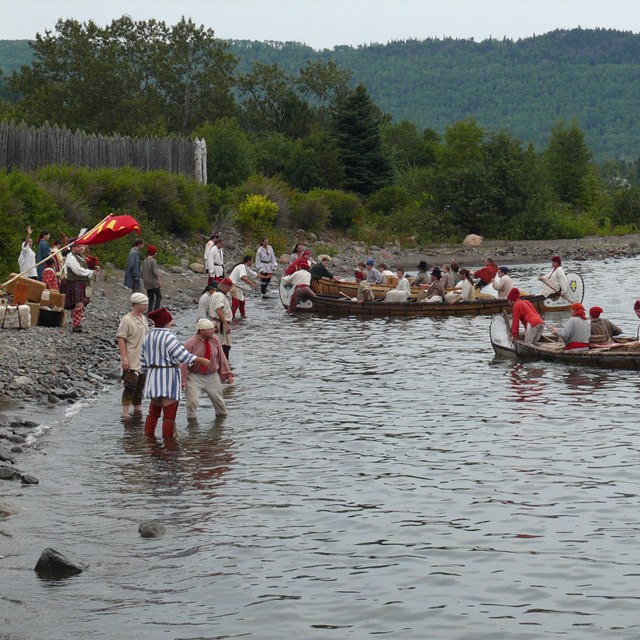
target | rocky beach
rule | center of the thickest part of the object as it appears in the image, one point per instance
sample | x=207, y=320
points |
x=50, y=367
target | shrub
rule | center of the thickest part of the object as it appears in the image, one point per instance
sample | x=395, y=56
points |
x=387, y=200
x=344, y=208
x=310, y=213
x=256, y=214
x=275, y=190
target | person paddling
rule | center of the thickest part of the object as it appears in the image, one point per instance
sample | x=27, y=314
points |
x=576, y=332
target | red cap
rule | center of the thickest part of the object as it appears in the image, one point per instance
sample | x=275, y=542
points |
x=513, y=295
x=578, y=310
x=151, y=250
x=359, y=275
x=161, y=317
x=595, y=312
x=556, y=259
x=227, y=281
x=636, y=306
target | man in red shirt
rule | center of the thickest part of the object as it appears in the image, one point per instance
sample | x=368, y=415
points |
x=523, y=311
x=208, y=378
x=487, y=273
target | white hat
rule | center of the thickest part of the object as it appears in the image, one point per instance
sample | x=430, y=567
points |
x=203, y=323
x=139, y=298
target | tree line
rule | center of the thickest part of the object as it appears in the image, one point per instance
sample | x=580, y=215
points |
x=306, y=139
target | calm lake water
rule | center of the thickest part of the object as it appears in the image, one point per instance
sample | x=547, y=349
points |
x=373, y=478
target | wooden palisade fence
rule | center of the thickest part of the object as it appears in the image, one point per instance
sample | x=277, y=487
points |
x=29, y=148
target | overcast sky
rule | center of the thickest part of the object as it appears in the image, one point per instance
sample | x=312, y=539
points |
x=326, y=23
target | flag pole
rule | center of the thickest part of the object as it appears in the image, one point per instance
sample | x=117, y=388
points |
x=68, y=246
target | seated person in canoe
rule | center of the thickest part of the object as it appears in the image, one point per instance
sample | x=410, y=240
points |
x=423, y=276
x=466, y=292
x=373, y=275
x=435, y=291
x=555, y=282
x=577, y=331
x=503, y=283
x=602, y=330
x=487, y=273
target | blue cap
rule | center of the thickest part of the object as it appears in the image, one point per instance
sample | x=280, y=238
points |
x=371, y=261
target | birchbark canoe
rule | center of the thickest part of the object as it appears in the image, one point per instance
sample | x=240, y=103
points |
x=624, y=353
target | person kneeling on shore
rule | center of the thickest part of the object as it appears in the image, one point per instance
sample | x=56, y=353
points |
x=132, y=331
x=160, y=358
x=209, y=378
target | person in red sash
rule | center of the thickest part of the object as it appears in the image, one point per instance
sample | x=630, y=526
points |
x=576, y=332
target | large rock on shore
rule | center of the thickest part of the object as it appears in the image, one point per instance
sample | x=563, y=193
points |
x=472, y=240
x=196, y=267
x=53, y=564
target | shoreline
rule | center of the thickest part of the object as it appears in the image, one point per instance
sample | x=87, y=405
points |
x=50, y=367
x=47, y=368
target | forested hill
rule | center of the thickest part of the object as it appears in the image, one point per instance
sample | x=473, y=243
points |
x=524, y=86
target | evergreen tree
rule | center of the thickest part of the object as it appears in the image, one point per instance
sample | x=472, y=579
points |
x=357, y=133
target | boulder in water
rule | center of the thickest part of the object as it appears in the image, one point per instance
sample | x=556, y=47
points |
x=151, y=529
x=53, y=564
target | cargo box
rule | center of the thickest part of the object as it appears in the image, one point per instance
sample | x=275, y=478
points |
x=34, y=287
x=34, y=312
x=52, y=298
x=15, y=317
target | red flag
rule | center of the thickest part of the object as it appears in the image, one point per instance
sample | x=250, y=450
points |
x=111, y=228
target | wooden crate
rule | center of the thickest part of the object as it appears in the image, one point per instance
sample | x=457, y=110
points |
x=34, y=287
x=34, y=308
x=52, y=298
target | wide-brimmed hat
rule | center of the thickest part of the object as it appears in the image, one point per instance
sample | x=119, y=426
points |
x=436, y=273
x=422, y=265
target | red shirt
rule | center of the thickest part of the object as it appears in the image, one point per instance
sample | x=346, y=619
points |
x=524, y=311
x=296, y=265
x=487, y=274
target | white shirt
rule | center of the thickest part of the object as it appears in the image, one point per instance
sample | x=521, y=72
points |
x=503, y=286
x=556, y=279
x=236, y=276
x=215, y=262
x=265, y=259
x=299, y=277
x=71, y=263
x=27, y=261
x=207, y=249
x=403, y=285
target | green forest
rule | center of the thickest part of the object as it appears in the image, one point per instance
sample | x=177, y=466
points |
x=524, y=86
x=297, y=140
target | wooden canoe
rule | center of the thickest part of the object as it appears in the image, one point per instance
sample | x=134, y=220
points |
x=342, y=288
x=343, y=306
x=624, y=355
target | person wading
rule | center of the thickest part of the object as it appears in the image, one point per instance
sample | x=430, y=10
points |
x=160, y=357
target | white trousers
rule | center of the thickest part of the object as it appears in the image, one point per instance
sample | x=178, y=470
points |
x=209, y=383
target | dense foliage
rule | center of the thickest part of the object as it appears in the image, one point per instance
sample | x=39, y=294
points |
x=523, y=86
x=294, y=146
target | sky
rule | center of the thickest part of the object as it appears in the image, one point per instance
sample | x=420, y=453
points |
x=327, y=23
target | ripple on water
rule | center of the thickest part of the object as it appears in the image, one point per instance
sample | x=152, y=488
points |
x=373, y=478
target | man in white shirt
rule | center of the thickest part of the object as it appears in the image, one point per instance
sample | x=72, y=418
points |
x=207, y=249
x=503, y=284
x=300, y=281
x=241, y=273
x=215, y=261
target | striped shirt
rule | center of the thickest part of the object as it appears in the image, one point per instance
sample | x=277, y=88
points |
x=161, y=353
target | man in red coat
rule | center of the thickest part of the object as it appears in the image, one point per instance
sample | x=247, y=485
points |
x=523, y=311
x=487, y=273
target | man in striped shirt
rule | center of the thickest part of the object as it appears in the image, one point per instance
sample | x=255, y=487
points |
x=160, y=358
